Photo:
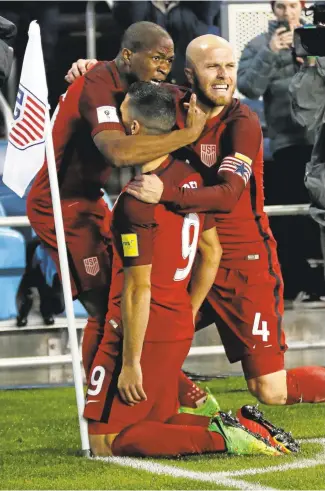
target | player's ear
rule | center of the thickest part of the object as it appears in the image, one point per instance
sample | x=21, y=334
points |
x=135, y=127
x=189, y=75
x=126, y=56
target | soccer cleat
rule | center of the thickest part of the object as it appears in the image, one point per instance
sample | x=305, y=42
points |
x=238, y=439
x=252, y=418
x=209, y=407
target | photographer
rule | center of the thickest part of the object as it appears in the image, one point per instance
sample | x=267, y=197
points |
x=307, y=90
x=265, y=69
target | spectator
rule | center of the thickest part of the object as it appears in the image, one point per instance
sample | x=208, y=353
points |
x=307, y=91
x=182, y=20
x=48, y=16
x=265, y=69
x=39, y=273
x=8, y=32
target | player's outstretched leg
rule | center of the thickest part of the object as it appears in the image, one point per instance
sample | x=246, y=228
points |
x=240, y=440
x=225, y=434
x=253, y=419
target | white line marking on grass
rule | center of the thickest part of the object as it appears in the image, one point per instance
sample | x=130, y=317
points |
x=313, y=440
x=301, y=464
x=225, y=478
x=168, y=470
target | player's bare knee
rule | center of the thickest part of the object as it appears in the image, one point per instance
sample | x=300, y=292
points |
x=269, y=389
x=267, y=395
x=251, y=385
x=101, y=445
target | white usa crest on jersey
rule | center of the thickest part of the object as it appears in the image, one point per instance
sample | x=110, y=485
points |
x=209, y=155
x=91, y=265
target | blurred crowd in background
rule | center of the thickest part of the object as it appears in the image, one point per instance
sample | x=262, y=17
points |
x=64, y=36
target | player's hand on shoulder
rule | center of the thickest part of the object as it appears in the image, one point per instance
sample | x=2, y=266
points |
x=130, y=384
x=79, y=68
x=147, y=188
x=196, y=117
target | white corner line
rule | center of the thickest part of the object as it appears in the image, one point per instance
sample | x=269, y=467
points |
x=176, y=472
x=301, y=464
x=226, y=478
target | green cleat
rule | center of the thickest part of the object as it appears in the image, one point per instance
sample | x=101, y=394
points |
x=209, y=408
x=238, y=439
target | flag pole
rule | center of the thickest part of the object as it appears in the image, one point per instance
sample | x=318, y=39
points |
x=63, y=258
x=29, y=138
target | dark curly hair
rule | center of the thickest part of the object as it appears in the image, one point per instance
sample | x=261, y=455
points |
x=153, y=106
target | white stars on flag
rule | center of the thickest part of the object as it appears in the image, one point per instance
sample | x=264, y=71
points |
x=237, y=166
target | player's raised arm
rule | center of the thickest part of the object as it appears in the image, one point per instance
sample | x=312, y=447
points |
x=146, y=54
x=79, y=68
x=206, y=265
x=222, y=197
x=124, y=150
x=99, y=107
x=242, y=141
x=219, y=198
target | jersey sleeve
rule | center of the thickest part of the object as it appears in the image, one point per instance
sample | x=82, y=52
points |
x=133, y=228
x=209, y=222
x=98, y=105
x=241, y=143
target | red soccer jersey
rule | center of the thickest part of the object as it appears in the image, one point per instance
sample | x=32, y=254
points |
x=90, y=105
x=151, y=234
x=229, y=157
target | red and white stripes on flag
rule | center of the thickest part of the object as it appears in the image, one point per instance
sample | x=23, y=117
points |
x=237, y=166
x=29, y=120
x=26, y=143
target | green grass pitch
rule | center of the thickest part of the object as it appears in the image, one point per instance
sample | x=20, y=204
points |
x=40, y=439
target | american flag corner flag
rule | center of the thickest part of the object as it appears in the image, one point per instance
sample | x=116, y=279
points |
x=26, y=145
x=29, y=125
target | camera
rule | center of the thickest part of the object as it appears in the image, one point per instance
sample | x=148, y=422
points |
x=309, y=40
x=284, y=24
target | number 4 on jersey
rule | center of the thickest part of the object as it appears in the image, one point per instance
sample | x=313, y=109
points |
x=260, y=331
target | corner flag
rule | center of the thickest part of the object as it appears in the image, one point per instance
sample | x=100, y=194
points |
x=26, y=145
x=30, y=139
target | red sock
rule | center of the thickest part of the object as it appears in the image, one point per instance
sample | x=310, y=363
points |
x=154, y=439
x=305, y=384
x=189, y=394
x=185, y=419
x=93, y=334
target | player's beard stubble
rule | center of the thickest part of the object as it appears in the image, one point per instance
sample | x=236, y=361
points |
x=207, y=100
